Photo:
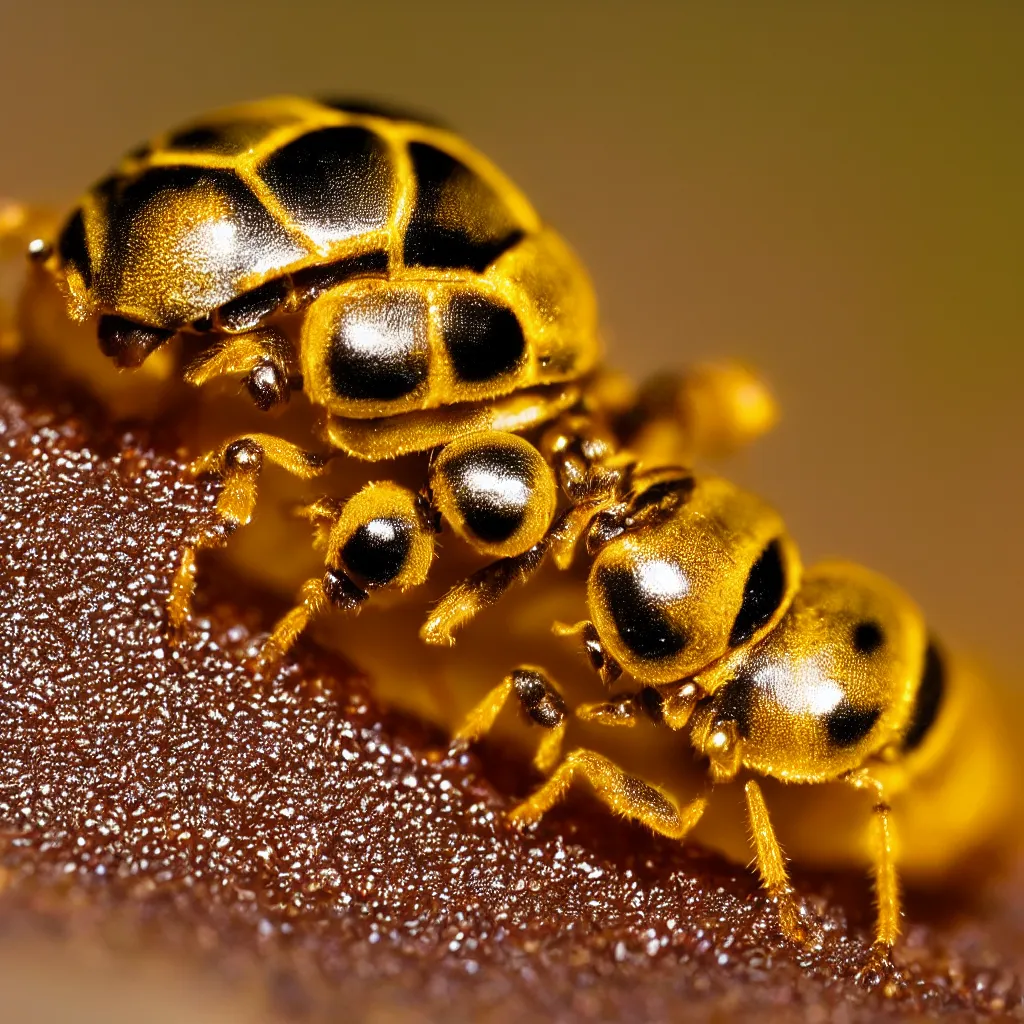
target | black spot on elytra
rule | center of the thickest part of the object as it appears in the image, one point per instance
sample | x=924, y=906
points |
x=928, y=699
x=459, y=221
x=847, y=725
x=334, y=182
x=379, y=349
x=762, y=595
x=867, y=637
x=641, y=622
x=73, y=248
x=492, y=485
x=377, y=551
x=483, y=338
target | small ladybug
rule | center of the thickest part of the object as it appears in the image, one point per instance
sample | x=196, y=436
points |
x=847, y=686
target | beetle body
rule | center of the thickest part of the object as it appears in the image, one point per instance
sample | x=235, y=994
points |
x=429, y=279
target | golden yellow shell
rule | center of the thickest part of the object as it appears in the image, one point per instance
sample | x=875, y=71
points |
x=433, y=280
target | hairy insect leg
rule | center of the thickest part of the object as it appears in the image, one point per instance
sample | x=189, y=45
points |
x=771, y=865
x=334, y=588
x=538, y=696
x=571, y=525
x=237, y=465
x=624, y=794
x=265, y=357
x=311, y=600
x=886, y=880
x=887, y=890
x=470, y=597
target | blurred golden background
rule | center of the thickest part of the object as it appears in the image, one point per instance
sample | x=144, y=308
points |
x=833, y=192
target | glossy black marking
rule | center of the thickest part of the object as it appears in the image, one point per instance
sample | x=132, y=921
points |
x=392, y=111
x=379, y=350
x=334, y=182
x=539, y=699
x=483, y=338
x=639, y=618
x=252, y=308
x=867, y=637
x=762, y=595
x=493, y=485
x=205, y=226
x=735, y=703
x=459, y=220
x=928, y=699
x=73, y=248
x=128, y=343
x=226, y=139
x=341, y=591
x=377, y=551
x=847, y=725
x=312, y=281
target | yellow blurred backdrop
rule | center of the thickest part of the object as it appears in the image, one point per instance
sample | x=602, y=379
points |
x=833, y=192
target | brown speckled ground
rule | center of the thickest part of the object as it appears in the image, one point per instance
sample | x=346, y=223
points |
x=292, y=834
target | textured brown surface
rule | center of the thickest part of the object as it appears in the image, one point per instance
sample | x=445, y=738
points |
x=290, y=833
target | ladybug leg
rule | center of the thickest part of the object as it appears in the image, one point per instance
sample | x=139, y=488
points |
x=708, y=411
x=470, y=597
x=771, y=865
x=624, y=794
x=887, y=889
x=264, y=357
x=538, y=697
x=237, y=465
x=335, y=589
